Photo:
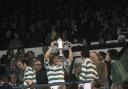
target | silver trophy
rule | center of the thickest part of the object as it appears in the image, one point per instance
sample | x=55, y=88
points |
x=60, y=46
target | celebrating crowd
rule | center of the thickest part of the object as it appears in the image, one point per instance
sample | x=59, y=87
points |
x=26, y=70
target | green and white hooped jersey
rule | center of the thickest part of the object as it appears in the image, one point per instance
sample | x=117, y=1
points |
x=88, y=71
x=55, y=73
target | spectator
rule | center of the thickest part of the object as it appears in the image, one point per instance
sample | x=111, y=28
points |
x=26, y=39
x=5, y=59
x=20, y=53
x=41, y=76
x=29, y=76
x=106, y=33
x=12, y=68
x=102, y=69
x=54, y=33
x=64, y=35
x=13, y=80
x=8, y=38
x=20, y=74
x=94, y=57
x=16, y=42
x=102, y=41
x=121, y=38
x=30, y=57
x=41, y=31
x=35, y=35
x=75, y=32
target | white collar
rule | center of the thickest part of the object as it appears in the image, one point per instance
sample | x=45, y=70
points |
x=113, y=61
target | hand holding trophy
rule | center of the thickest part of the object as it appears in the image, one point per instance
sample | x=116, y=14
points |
x=67, y=45
x=61, y=45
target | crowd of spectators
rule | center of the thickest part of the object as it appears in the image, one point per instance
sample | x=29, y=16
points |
x=28, y=24
x=109, y=69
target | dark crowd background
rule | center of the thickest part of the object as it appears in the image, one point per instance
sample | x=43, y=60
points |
x=33, y=23
x=38, y=22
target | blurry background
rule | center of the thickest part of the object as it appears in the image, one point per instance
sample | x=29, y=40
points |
x=37, y=22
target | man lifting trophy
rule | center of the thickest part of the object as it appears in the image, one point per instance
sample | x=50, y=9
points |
x=57, y=67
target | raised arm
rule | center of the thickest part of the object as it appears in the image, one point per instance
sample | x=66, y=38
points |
x=47, y=54
x=70, y=56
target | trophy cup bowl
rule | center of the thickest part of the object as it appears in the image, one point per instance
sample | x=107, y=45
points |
x=63, y=45
x=60, y=46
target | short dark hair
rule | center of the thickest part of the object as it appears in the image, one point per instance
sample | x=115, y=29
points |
x=24, y=61
x=85, y=52
x=52, y=55
x=113, y=53
x=37, y=59
x=30, y=52
x=102, y=54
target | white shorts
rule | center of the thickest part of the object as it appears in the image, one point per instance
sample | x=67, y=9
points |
x=54, y=87
x=85, y=86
